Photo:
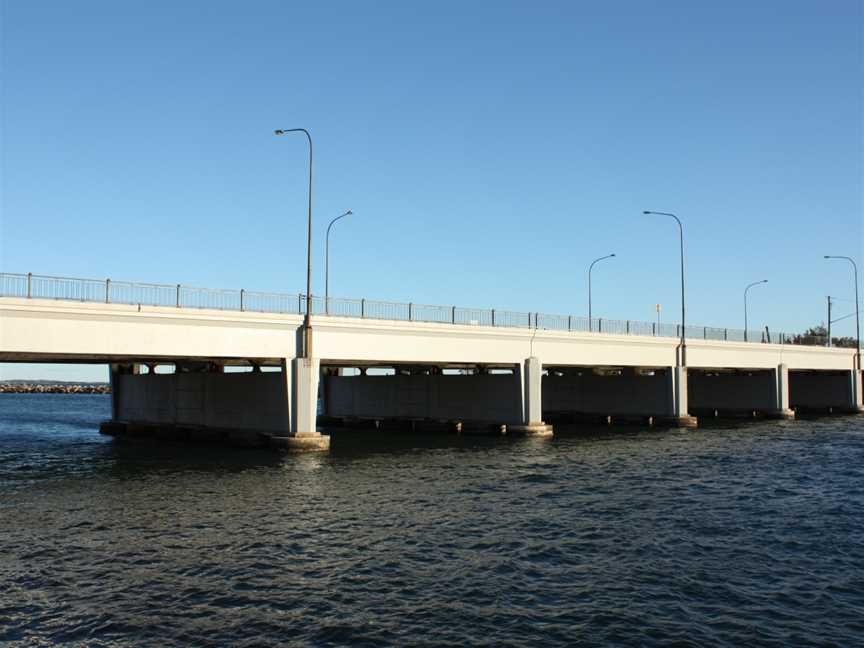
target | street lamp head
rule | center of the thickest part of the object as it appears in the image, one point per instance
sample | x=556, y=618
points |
x=826, y=257
x=611, y=255
x=279, y=131
x=646, y=212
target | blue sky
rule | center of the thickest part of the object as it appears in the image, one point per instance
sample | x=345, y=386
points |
x=490, y=151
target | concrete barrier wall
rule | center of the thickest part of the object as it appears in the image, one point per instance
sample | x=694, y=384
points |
x=732, y=391
x=248, y=401
x=627, y=394
x=820, y=389
x=495, y=398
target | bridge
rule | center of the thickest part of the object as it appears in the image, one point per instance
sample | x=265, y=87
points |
x=235, y=366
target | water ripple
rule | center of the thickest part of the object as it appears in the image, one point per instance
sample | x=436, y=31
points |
x=729, y=535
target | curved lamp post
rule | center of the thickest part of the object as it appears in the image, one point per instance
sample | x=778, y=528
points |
x=327, y=262
x=590, y=268
x=307, y=322
x=683, y=356
x=755, y=283
x=857, y=310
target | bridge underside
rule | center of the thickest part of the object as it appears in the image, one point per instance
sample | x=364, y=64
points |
x=210, y=397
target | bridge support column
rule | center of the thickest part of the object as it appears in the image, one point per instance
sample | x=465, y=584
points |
x=531, y=374
x=301, y=377
x=680, y=413
x=855, y=391
x=781, y=386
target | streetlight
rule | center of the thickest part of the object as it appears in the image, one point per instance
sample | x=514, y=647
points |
x=755, y=283
x=307, y=322
x=682, y=360
x=327, y=262
x=857, y=310
x=590, y=268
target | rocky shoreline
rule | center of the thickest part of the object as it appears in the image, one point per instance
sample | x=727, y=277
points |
x=53, y=388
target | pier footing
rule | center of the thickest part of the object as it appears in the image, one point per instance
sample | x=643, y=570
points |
x=781, y=414
x=301, y=442
x=685, y=421
x=532, y=429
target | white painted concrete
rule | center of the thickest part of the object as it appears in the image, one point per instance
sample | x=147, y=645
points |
x=532, y=384
x=781, y=382
x=856, y=379
x=678, y=377
x=305, y=401
x=47, y=330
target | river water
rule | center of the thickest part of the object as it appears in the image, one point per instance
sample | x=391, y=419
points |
x=746, y=534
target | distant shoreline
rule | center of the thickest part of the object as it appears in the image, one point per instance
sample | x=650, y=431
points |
x=47, y=387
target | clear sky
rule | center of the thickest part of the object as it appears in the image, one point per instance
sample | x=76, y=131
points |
x=490, y=151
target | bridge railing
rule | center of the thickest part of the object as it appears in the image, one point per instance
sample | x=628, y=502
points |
x=177, y=295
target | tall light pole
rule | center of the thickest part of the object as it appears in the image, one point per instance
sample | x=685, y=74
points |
x=857, y=310
x=327, y=262
x=755, y=283
x=682, y=360
x=307, y=322
x=590, y=268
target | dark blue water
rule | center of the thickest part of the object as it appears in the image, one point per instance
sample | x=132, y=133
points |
x=750, y=534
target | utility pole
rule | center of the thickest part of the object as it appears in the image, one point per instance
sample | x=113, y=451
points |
x=829, y=321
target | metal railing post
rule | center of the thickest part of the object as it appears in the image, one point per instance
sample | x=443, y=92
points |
x=29, y=285
x=493, y=317
x=654, y=329
x=363, y=307
x=410, y=311
x=704, y=332
x=569, y=322
x=299, y=304
x=242, y=292
x=725, y=334
x=452, y=314
x=178, y=295
x=107, y=290
x=628, y=327
x=599, y=324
